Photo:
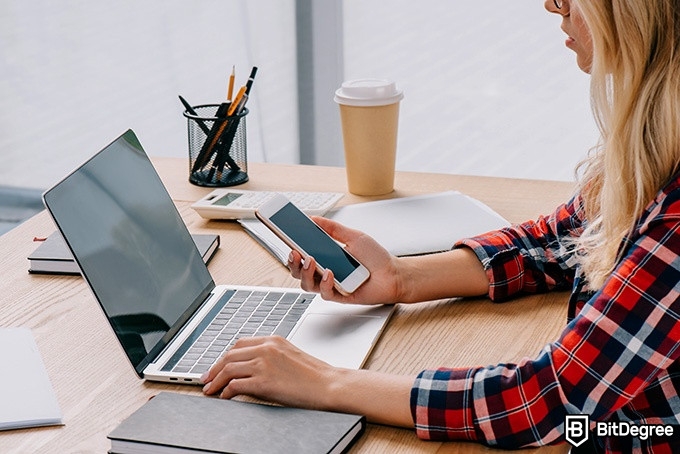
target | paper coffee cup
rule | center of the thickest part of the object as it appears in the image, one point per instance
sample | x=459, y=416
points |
x=369, y=112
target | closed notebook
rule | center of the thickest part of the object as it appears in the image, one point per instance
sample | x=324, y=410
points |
x=421, y=224
x=53, y=257
x=27, y=398
x=174, y=422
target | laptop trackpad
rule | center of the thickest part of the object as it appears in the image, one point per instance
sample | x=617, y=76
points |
x=340, y=340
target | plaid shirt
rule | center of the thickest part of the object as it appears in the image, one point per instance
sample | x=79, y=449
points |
x=616, y=360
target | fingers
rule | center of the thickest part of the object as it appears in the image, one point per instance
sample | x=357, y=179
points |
x=326, y=286
x=269, y=368
x=305, y=271
x=218, y=375
x=239, y=363
x=311, y=280
x=295, y=264
x=308, y=276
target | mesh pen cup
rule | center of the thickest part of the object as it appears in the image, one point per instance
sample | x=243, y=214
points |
x=217, y=147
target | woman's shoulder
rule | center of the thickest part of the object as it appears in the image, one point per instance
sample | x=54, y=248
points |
x=668, y=197
x=665, y=208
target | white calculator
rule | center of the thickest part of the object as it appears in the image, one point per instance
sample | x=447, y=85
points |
x=227, y=203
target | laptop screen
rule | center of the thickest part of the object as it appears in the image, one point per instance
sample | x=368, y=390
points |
x=132, y=246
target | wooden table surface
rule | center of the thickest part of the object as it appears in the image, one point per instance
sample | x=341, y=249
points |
x=97, y=388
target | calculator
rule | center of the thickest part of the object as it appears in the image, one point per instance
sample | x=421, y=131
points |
x=241, y=204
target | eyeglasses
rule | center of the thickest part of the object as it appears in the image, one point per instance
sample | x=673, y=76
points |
x=558, y=3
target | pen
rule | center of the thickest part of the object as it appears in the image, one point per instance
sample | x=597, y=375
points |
x=251, y=79
x=227, y=138
x=224, y=151
x=215, y=140
x=191, y=111
x=242, y=95
x=235, y=110
x=224, y=138
x=212, y=137
x=224, y=112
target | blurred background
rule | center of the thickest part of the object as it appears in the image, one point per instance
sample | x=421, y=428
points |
x=489, y=89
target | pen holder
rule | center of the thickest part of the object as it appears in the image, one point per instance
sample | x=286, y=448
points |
x=217, y=147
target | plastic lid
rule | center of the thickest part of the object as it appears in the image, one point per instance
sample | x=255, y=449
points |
x=368, y=92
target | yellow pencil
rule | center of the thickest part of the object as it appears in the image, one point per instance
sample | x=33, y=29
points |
x=235, y=102
x=231, y=83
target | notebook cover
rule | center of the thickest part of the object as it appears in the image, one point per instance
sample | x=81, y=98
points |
x=27, y=398
x=196, y=423
x=420, y=224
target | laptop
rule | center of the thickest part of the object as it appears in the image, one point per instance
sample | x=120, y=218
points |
x=171, y=319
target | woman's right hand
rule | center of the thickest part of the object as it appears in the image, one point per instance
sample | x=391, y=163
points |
x=382, y=287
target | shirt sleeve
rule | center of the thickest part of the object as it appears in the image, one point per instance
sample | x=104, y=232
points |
x=531, y=257
x=623, y=339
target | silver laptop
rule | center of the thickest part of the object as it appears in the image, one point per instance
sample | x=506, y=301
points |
x=142, y=265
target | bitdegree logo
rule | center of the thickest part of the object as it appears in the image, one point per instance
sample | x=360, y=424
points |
x=624, y=429
x=576, y=429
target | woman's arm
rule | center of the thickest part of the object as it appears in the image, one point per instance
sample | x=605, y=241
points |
x=453, y=273
x=273, y=369
x=393, y=279
x=526, y=258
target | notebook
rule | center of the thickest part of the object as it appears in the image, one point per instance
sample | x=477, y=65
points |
x=27, y=396
x=52, y=255
x=144, y=269
x=211, y=425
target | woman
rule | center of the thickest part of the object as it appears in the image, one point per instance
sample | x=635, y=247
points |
x=616, y=244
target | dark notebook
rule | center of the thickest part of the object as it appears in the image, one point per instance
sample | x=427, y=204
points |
x=173, y=422
x=53, y=256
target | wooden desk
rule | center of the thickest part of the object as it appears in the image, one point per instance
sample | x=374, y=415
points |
x=97, y=388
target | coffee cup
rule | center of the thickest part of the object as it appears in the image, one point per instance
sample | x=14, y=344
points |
x=369, y=113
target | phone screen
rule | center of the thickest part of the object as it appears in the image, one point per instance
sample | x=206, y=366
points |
x=314, y=241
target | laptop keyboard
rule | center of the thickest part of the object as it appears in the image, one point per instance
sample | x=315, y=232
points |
x=238, y=313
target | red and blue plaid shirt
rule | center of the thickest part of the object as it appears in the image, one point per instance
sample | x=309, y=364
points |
x=616, y=360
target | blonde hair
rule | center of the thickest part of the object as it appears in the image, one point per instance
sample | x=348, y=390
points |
x=635, y=91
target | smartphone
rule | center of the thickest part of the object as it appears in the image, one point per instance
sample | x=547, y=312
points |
x=299, y=232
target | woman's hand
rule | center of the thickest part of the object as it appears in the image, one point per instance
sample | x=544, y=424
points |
x=382, y=287
x=273, y=369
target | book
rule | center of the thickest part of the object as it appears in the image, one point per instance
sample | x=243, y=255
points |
x=26, y=393
x=415, y=225
x=53, y=257
x=183, y=423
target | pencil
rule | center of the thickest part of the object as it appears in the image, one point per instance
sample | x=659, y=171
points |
x=230, y=92
x=237, y=101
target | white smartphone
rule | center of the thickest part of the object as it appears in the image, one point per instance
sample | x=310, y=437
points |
x=299, y=232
